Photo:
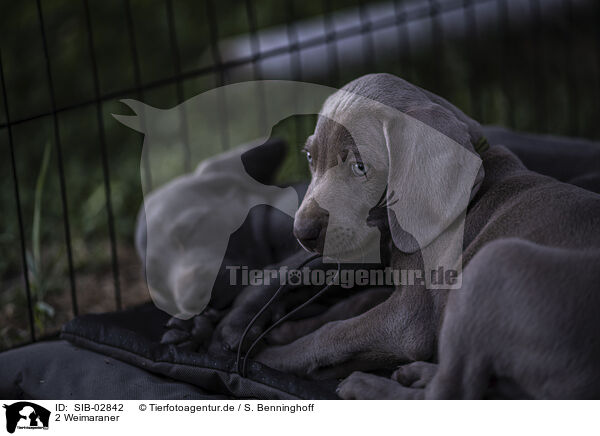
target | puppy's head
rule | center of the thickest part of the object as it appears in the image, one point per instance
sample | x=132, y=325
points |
x=383, y=144
x=345, y=186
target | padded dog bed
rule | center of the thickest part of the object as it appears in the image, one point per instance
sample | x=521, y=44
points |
x=133, y=337
x=119, y=355
x=58, y=369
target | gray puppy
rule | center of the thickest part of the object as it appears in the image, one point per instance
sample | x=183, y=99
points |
x=523, y=323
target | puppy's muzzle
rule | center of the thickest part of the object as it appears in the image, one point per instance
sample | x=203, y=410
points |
x=310, y=226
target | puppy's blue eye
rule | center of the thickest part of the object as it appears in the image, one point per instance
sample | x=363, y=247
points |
x=358, y=169
x=309, y=157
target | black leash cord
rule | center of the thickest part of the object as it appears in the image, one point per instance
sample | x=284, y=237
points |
x=261, y=311
x=283, y=318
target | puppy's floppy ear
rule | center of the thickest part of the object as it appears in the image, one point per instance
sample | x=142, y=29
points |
x=432, y=172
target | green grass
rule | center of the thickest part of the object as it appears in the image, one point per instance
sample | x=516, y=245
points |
x=37, y=273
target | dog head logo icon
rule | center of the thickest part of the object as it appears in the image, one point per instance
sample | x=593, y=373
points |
x=26, y=415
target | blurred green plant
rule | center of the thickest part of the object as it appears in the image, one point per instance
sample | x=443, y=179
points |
x=39, y=281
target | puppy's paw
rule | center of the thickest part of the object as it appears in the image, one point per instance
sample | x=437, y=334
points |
x=284, y=334
x=230, y=328
x=357, y=386
x=363, y=386
x=188, y=334
x=415, y=374
x=174, y=337
x=229, y=335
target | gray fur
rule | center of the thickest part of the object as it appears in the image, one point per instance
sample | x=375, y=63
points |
x=526, y=316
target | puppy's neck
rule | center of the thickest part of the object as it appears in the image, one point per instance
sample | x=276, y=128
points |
x=499, y=163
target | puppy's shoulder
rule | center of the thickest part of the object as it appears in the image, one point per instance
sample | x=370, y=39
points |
x=514, y=201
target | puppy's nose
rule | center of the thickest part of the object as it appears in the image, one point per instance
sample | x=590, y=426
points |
x=310, y=225
x=307, y=232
